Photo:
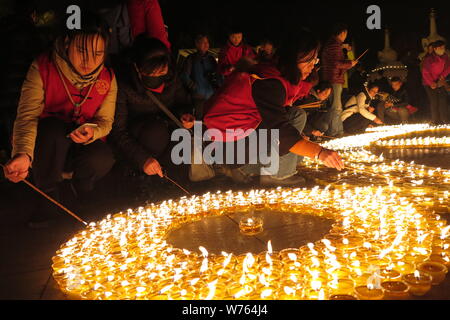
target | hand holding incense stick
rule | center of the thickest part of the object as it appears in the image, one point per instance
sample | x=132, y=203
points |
x=52, y=200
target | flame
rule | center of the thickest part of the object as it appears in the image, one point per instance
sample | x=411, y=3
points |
x=204, y=266
x=292, y=256
x=204, y=251
x=241, y=293
x=268, y=259
x=321, y=295
x=289, y=290
x=417, y=274
x=166, y=288
x=316, y=284
x=212, y=290
x=266, y=293
x=444, y=232
x=269, y=247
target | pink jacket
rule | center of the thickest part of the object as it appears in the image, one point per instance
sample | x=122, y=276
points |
x=434, y=67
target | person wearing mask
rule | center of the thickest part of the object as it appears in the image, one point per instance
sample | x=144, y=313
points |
x=141, y=130
x=436, y=67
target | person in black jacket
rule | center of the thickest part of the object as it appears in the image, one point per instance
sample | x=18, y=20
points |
x=319, y=119
x=141, y=130
x=395, y=106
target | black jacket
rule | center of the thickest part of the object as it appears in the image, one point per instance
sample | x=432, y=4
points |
x=133, y=104
x=399, y=98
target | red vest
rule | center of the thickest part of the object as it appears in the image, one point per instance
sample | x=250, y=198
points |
x=232, y=107
x=57, y=103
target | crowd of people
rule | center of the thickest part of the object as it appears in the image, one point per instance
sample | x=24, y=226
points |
x=111, y=93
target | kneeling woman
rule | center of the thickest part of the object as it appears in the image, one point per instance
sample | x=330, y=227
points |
x=141, y=130
x=64, y=89
x=264, y=100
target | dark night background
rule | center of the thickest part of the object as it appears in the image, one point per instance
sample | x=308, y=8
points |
x=407, y=20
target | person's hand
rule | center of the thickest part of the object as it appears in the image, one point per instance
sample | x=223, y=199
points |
x=17, y=168
x=441, y=83
x=378, y=121
x=354, y=63
x=433, y=85
x=371, y=109
x=187, y=120
x=331, y=159
x=82, y=136
x=388, y=104
x=152, y=167
x=347, y=47
x=316, y=133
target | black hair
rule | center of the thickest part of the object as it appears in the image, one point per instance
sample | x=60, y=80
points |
x=338, y=29
x=91, y=25
x=150, y=54
x=323, y=85
x=396, y=79
x=438, y=44
x=201, y=36
x=296, y=47
x=266, y=41
x=235, y=28
x=372, y=85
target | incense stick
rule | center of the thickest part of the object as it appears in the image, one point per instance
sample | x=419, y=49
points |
x=362, y=55
x=51, y=199
x=184, y=190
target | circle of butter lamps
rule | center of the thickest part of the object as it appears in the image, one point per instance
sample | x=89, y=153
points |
x=388, y=240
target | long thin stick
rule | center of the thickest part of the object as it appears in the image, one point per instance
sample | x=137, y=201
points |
x=370, y=172
x=184, y=190
x=362, y=55
x=52, y=200
x=310, y=105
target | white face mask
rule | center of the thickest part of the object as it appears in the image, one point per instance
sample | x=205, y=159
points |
x=439, y=52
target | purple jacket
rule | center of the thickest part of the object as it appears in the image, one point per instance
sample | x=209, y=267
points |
x=434, y=67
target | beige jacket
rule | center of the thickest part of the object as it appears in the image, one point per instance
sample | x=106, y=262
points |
x=31, y=106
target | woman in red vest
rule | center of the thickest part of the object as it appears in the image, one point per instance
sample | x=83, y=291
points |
x=249, y=103
x=64, y=89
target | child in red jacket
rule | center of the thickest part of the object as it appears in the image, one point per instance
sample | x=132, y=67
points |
x=236, y=50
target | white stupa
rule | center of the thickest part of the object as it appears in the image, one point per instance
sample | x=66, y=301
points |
x=433, y=37
x=389, y=67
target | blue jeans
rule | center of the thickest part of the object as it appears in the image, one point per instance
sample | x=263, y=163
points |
x=336, y=127
x=287, y=163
